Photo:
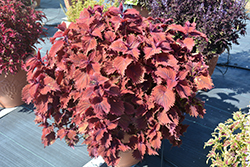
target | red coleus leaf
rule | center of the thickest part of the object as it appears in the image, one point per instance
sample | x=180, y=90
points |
x=129, y=108
x=169, y=75
x=132, y=43
x=50, y=84
x=97, y=32
x=114, y=11
x=25, y=94
x=190, y=29
x=56, y=47
x=203, y=82
x=93, y=67
x=189, y=43
x=151, y=151
x=59, y=76
x=163, y=118
x=62, y=26
x=184, y=89
x=193, y=111
x=156, y=140
x=116, y=22
x=117, y=107
x=106, y=140
x=118, y=46
x=111, y=124
x=109, y=68
x=48, y=136
x=163, y=96
x=159, y=36
x=101, y=105
x=99, y=133
x=135, y=72
x=79, y=60
x=84, y=14
x=81, y=78
x=121, y=64
x=182, y=74
x=109, y=36
x=83, y=106
x=89, y=43
x=33, y=90
x=124, y=122
x=114, y=91
x=82, y=127
x=85, y=17
x=61, y=133
x=151, y=50
x=72, y=134
x=97, y=79
x=166, y=60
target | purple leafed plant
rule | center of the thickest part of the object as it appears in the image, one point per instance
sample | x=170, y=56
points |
x=20, y=29
x=115, y=73
x=221, y=20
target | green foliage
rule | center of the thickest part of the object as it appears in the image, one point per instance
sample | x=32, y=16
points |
x=77, y=6
x=231, y=142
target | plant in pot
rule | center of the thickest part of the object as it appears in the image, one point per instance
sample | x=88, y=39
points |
x=230, y=142
x=122, y=81
x=20, y=29
x=76, y=7
x=31, y=3
x=221, y=20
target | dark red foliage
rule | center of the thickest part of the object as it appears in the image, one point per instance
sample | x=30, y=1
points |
x=223, y=21
x=116, y=73
x=20, y=28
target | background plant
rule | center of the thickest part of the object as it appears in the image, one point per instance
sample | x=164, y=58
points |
x=20, y=29
x=231, y=142
x=116, y=73
x=221, y=20
x=74, y=11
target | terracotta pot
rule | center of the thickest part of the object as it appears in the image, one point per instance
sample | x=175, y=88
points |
x=212, y=64
x=11, y=88
x=143, y=11
x=38, y=2
x=126, y=158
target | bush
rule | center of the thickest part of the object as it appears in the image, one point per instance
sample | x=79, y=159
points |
x=117, y=73
x=231, y=142
x=221, y=20
x=20, y=29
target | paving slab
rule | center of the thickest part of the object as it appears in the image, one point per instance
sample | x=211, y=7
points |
x=20, y=144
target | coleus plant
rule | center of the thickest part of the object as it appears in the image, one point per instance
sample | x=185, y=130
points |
x=230, y=142
x=221, y=20
x=115, y=73
x=20, y=28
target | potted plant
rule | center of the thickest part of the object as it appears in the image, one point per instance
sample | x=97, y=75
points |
x=230, y=142
x=76, y=7
x=122, y=81
x=20, y=29
x=221, y=20
x=31, y=3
